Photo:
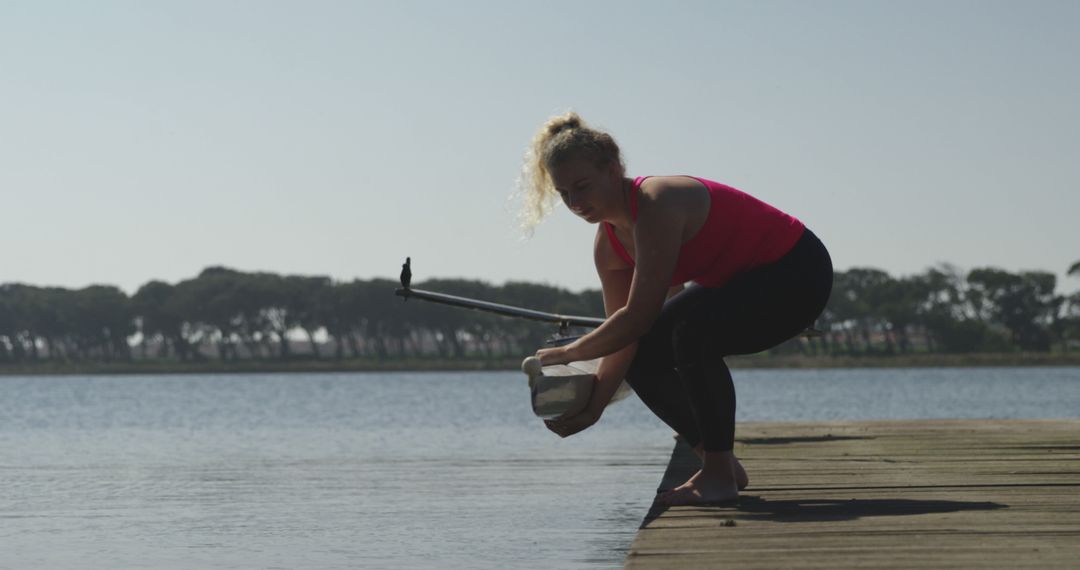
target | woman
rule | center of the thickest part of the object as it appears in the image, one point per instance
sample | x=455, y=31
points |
x=759, y=277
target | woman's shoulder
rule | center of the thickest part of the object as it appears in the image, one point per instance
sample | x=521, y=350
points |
x=672, y=191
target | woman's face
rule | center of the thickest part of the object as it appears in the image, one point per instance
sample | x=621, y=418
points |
x=590, y=191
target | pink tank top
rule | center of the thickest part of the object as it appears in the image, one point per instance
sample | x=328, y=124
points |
x=740, y=233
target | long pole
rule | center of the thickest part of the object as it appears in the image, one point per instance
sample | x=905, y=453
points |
x=564, y=321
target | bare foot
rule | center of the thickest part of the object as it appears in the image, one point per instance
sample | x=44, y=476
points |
x=701, y=489
x=741, y=478
x=714, y=483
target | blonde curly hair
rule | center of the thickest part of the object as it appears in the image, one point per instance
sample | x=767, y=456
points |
x=562, y=137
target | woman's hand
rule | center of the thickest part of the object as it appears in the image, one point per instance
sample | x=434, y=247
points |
x=557, y=355
x=567, y=427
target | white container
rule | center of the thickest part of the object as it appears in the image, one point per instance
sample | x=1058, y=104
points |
x=564, y=389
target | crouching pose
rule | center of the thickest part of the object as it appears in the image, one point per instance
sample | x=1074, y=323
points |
x=692, y=271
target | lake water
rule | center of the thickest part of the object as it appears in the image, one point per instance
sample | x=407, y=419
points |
x=402, y=470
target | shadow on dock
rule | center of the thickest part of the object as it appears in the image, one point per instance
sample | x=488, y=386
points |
x=818, y=510
x=815, y=510
x=802, y=439
x=684, y=464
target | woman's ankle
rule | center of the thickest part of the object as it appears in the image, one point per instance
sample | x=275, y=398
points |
x=719, y=464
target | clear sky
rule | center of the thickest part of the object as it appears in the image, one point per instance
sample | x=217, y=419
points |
x=143, y=140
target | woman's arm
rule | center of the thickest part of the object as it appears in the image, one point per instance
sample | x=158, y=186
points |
x=615, y=278
x=657, y=238
x=613, y=367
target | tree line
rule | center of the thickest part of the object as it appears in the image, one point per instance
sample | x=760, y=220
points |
x=232, y=315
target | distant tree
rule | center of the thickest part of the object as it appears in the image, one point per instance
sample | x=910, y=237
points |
x=899, y=302
x=303, y=297
x=1024, y=303
x=9, y=322
x=855, y=304
x=156, y=309
x=1069, y=324
x=592, y=302
x=386, y=321
x=839, y=315
x=26, y=314
x=1070, y=321
x=101, y=321
x=948, y=317
x=50, y=317
x=215, y=303
x=274, y=304
x=32, y=309
x=337, y=311
x=451, y=325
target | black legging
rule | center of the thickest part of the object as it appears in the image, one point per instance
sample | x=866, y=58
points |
x=679, y=369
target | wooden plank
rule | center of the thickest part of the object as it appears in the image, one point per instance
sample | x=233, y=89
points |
x=897, y=494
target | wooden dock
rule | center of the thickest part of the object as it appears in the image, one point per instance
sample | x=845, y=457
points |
x=888, y=494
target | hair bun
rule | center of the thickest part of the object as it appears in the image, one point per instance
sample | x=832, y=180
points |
x=565, y=122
